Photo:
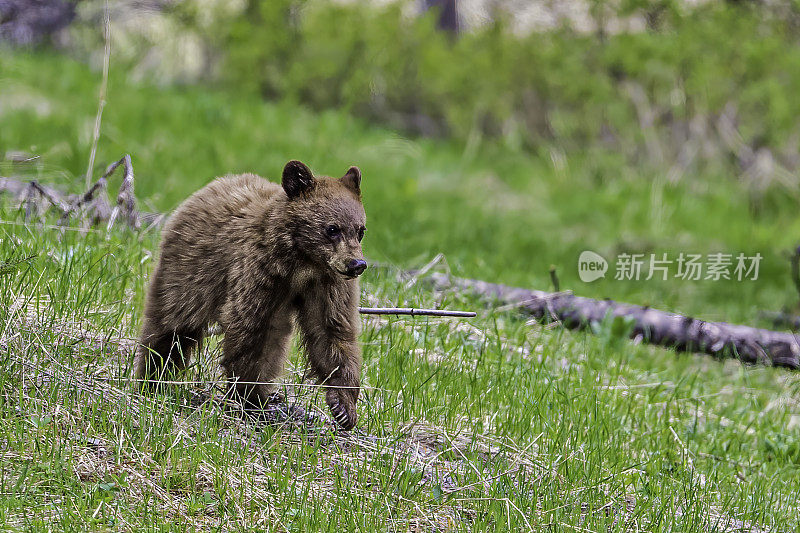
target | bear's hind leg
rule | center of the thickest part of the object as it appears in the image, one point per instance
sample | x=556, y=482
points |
x=162, y=352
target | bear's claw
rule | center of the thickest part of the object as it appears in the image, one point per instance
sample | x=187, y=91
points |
x=340, y=412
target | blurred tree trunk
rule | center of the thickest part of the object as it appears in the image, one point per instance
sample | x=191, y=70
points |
x=31, y=22
x=448, y=13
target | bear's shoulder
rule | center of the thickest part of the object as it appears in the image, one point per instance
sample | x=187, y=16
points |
x=224, y=199
x=234, y=192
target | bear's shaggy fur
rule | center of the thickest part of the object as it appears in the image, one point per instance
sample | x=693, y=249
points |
x=256, y=258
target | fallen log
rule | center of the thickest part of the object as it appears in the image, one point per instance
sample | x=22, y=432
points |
x=681, y=333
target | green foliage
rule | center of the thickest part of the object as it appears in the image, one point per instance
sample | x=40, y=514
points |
x=556, y=86
x=496, y=212
x=261, y=44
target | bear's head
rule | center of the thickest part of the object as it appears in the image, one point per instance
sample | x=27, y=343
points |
x=327, y=218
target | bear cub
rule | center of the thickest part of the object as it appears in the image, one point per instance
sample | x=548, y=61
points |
x=257, y=258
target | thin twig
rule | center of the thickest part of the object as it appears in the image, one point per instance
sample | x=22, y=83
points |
x=46, y=194
x=98, y=120
x=424, y=270
x=412, y=312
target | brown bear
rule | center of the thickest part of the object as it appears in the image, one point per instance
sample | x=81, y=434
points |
x=256, y=258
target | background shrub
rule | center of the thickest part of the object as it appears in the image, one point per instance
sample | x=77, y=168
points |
x=707, y=87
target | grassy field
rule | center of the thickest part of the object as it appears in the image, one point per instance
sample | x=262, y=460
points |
x=476, y=425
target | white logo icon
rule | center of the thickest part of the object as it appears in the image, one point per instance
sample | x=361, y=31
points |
x=591, y=266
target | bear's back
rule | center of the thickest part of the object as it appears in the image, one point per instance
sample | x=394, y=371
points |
x=200, y=240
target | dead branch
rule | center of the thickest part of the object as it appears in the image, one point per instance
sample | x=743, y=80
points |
x=49, y=194
x=92, y=204
x=681, y=333
x=410, y=311
x=126, y=200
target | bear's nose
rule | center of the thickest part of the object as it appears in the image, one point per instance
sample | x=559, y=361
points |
x=355, y=267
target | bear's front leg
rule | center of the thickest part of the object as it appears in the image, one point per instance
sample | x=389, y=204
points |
x=254, y=359
x=329, y=322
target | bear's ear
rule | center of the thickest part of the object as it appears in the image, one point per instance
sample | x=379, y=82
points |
x=352, y=179
x=297, y=179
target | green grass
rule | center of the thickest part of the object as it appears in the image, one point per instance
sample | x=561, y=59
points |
x=496, y=213
x=475, y=425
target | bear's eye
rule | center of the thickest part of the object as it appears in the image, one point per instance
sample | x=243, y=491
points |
x=332, y=231
x=361, y=233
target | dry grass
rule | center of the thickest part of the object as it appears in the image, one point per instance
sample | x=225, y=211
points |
x=184, y=489
x=72, y=394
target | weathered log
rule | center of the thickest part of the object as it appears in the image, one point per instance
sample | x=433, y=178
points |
x=751, y=345
x=681, y=333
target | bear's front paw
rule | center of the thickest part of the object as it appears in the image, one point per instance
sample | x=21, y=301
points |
x=343, y=407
